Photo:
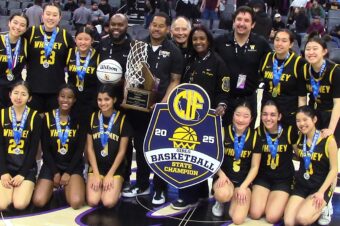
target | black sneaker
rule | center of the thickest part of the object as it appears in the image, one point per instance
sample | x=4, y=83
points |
x=158, y=198
x=135, y=191
x=180, y=204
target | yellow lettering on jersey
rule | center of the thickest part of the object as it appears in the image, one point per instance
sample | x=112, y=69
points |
x=40, y=45
x=73, y=68
x=194, y=102
x=71, y=133
x=322, y=89
x=316, y=156
x=280, y=148
x=269, y=75
x=112, y=136
x=231, y=152
x=3, y=58
x=9, y=133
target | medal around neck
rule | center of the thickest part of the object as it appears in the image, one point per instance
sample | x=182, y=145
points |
x=183, y=143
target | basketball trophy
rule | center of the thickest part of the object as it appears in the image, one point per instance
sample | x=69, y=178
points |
x=139, y=93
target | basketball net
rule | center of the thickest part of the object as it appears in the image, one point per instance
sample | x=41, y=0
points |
x=138, y=54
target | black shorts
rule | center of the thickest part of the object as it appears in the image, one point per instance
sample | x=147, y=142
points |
x=275, y=184
x=46, y=173
x=43, y=102
x=31, y=175
x=303, y=192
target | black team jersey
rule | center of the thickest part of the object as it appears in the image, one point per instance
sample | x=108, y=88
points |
x=329, y=86
x=291, y=85
x=319, y=166
x=23, y=161
x=58, y=161
x=3, y=61
x=237, y=170
x=120, y=128
x=47, y=80
x=281, y=166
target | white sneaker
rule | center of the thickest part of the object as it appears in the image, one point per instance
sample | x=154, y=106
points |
x=326, y=215
x=158, y=198
x=135, y=191
x=218, y=209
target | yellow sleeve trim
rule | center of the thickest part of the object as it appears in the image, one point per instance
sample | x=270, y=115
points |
x=327, y=144
x=69, y=56
x=255, y=138
x=25, y=47
x=65, y=39
x=33, y=117
x=265, y=62
x=331, y=74
x=305, y=71
x=2, y=117
x=92, y=118
x=32, y=34
x=121, y=124
x=289, y=134
x=47, y=115
x=295, y=66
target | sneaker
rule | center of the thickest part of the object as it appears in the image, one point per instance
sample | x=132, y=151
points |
x=135, y=191
x=218, y=209
x=158, y=198
x=180, y=204
x=126, y=186
x=326, y=215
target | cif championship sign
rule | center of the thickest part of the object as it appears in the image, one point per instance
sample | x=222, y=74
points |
x=183, y=143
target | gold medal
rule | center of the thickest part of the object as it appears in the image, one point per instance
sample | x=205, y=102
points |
x=274, y=92
x=272, y=165
x=315, y=105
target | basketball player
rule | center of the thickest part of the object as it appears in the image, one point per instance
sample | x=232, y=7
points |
x=48, y=46
x=107, y=141
x=242, y=156
x=82, y=62
x=318, y=170
x=272, y=186
x=13, y=50
x=63, y=143
x=19, y=137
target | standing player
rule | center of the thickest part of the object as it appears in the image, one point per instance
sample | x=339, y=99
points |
x=47, y=51
x=242, y=52
x=281, y=71
x=19, y=137
x=107, y=141
x=318, y=170
x=13, y=50
x=242, y=156
x=272, y=186
x=82, y=62
x=62, y=143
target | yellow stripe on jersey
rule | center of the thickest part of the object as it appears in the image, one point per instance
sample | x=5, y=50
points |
x=68, y=56
x=116, y=117
x=289, y=134
x=65, y=39
x=47, y=115
x=289, y=59
x=2, y=117
x=254, y=139
x=327, y=144
x=295, y=66
x=32, y=118
x=98, y=59
x=32, y=34
x=121, y=124
x=25, y=47
x=265, y=62
x=92, y=118
x=331, y=74
x=305, y=71
x=3, y=40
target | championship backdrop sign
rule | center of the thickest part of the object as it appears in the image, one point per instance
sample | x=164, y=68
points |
x=183, y=143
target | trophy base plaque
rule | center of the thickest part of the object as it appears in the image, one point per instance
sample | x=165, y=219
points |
x=138, y=99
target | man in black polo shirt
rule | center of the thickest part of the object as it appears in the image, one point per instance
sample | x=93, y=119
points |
x=166, y=64
x=242, y=52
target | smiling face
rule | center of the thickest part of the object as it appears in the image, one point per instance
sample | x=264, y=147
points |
x=270, y=117
x=17, y=26
x=118, y=27
x=83, y=42
x=19, y=96
x=314, y=52
x=282, y=43
x=243, y=23
x=180, y=31
x=158, y=28
x=305, y=123
x=51, y=17
x=200, y=42
x=242, y=118
x=105, y=102
x=66, y=99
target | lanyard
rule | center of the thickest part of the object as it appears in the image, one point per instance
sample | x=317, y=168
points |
x=48, y=45
x=81, y=71
x=17, y=132
x=308, y=154
x=273, y=145
x=63, y=136
x=238, y=146
x=277, y=71
x=104, y=135
x=12, y=60
x=315, y=83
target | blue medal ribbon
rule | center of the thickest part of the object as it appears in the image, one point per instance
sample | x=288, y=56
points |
x=12, y=60
x=81, y=71
x=17, y=132
x=308, y=154
x=277, y=71
x=104, y=135
x=238, y=146
x=316, y=84
x=63, y=136
x=48, y=45
x=273, y=145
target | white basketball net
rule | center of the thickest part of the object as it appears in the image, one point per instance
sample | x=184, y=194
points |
x=138, y=53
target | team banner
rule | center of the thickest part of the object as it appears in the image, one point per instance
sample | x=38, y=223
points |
x=183, y=143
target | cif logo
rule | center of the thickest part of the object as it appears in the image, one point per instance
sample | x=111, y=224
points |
x=188, y=104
